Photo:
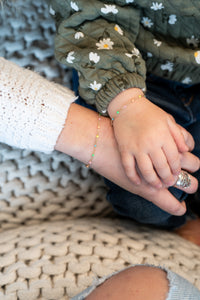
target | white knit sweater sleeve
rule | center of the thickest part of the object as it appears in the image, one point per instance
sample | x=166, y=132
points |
x=32, y=109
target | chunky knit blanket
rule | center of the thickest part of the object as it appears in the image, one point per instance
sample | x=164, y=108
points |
x=57, y=232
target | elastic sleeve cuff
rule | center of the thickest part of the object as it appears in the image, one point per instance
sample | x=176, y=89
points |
x=116, y=85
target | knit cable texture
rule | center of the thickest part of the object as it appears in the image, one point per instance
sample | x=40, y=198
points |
x=56, y=260
x=57, y=231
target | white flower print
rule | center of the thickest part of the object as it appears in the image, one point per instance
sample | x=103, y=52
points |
x=157, y=43
x=95, y=86
x=135, y=52
x=157, y=6
x=197, y=56
x=51, y=11
x=186, y=80
x=105, y=44
x=118, y=29
x=147, y=22
x=74, y=6
x=149, y=54
x=129, y=1
x=78, y=35
x=94, y=57
x=168, y=66
x=109, y=9
x=70, y=57
x=193, y=42
x=172, y=19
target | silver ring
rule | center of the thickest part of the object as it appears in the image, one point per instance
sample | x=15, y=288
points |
x=183, y=180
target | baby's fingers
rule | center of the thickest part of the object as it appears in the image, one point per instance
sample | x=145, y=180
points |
x=162, y=167
x=147, y=170
x=189, y=162
x=167, y=202
x=128, y=162
x=172, y=155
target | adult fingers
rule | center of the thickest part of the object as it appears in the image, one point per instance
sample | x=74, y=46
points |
x=165, y=200
x=189, y=162
x=192, y=188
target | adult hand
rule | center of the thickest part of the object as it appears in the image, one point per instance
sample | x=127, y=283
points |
x=160, y=197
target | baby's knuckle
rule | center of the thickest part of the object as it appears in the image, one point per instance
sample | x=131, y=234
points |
x=124, y=157
x=153, y=182
x=128, y=169
x=132, y=178
x=123, y=150
x=162, y=167
x=175, y=161
x=145, y=143
x=147, y=173
x=131, y=175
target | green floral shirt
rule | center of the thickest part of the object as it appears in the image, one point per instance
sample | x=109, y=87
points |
x=114, y=43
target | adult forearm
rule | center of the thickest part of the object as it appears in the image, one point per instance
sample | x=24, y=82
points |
x=78, y=138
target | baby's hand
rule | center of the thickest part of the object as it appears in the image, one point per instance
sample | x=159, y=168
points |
x=149, y=141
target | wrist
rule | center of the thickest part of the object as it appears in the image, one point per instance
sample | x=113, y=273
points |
x=122, y=99
x=74, y=137
x=78, y=136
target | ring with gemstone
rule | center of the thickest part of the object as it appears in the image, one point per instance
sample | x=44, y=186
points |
x=183, y=180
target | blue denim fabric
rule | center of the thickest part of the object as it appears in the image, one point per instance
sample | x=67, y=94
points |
x=183, y=103
x=179, y=288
